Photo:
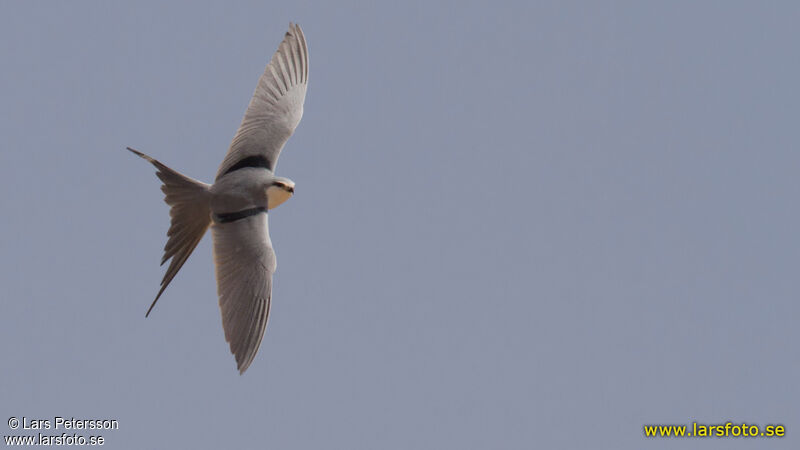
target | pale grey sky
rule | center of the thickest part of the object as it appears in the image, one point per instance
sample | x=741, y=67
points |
x=517, y=225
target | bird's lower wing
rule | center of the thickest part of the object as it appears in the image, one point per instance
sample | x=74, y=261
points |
x=245, y=263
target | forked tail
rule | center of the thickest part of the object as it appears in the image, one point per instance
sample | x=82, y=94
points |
x=190, y=214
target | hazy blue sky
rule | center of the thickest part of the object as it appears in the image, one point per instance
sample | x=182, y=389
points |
x=517, y=225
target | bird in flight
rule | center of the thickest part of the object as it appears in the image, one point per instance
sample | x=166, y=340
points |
x=236, y=205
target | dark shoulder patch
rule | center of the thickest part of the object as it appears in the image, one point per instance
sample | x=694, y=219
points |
x=250, y=161
x=238, y=215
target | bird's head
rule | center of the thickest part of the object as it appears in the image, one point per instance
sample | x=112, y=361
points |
x=278, y=191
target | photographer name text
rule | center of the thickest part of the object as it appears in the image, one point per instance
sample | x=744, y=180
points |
x=65, y=423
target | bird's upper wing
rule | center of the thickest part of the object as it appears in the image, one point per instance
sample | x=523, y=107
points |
x=275, y=109
x=245, y=263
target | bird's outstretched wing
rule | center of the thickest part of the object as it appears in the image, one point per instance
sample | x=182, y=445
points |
x=275, y=109
x=245, y=263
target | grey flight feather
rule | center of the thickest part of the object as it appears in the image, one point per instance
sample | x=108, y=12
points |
x=235, y=206
x=244, y=262
x=276, y=106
